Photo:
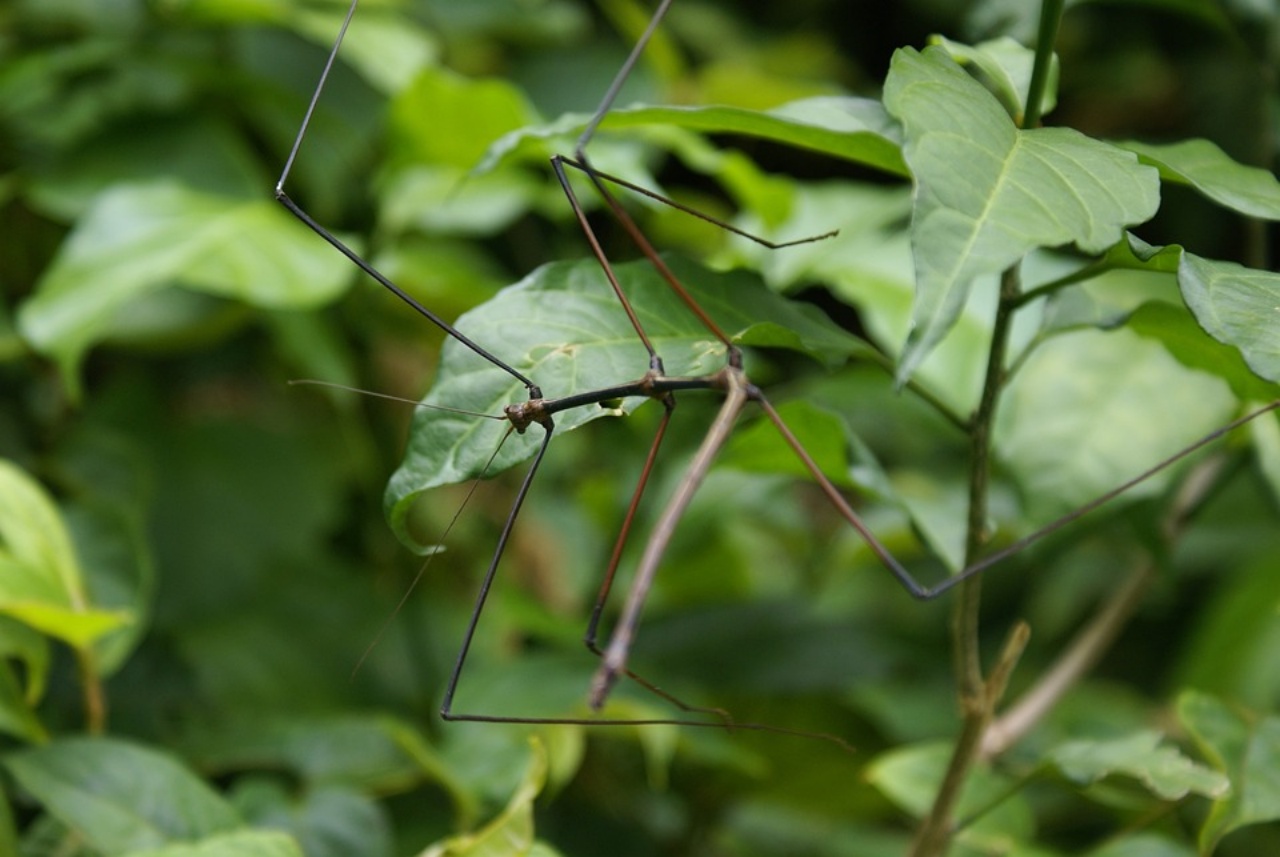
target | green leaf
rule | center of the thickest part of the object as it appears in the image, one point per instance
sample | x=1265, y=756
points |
x=910, y=777
x=41, y=582
x=324, y=821
x=120, y=796
x=1006, y=68
x=510, y=834
x=426, y=114
x=562, y=327
x=1018, y=190
x=1162, y=769
x=137, y=239
x=1090, y=409
x=1186, y=341
x=852, y=129
x=1238, y=306
x=17, y=715
x=1200, y=164
x=1244, y=747
x=240, y=843
x=1143, y=845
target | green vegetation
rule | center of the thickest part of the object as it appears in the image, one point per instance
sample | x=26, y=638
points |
x=1051, y=273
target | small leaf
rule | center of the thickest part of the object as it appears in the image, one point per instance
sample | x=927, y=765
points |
x=1202, y=165
x=119, y=796
x=1018, y=190
x=1162, y=769
x=511, y=833
x=1238, y=306
x=139, y=238
x=241, y=843
x=41, y=582
x=1006, y=66
x=562, y=327
x=1247, y=749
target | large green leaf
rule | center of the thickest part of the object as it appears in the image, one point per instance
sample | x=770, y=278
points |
x=325, y=821
x=1202, y=165
x=121, y=797
x=1162, y=769
x=1247, y=749
x=563, y=327
x=140, y=238
x=1236, y=305
x=1091, y=409
x=853, y=129
x=987, y=193
x=41, y=582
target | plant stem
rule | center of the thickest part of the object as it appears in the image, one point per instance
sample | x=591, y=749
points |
x=977, y=695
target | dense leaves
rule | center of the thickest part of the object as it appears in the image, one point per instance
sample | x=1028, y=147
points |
x=211, y=643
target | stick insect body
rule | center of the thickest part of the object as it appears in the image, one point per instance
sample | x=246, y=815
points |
x=731, y=381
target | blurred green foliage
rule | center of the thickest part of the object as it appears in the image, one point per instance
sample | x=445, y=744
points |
x=192, y=555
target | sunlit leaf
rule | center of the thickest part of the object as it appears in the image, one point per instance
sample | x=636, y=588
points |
x=41, y=582
x=120, y=796
x=1016, y=191
x=854, y=129
x=1246, y=748
x=139, y=238
x=1006, y=67
x=1202, y=165
x=1162, y=769
x=1236, y=305
x=1091, y=409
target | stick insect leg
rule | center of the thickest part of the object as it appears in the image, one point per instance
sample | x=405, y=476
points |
x=606, y=585
x=615, y=656
x=925, y=593
x=297, y=211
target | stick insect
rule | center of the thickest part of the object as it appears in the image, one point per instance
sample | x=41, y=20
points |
x=730, y=381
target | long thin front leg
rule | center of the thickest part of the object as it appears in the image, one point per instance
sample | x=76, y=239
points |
x=284, y=199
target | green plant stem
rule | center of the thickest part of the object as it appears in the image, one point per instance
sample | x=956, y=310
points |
x=978, y=696
x=1050, y=17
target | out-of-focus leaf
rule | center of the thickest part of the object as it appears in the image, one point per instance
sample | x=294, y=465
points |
x=41, y=581
x=562, y=327
x=425, y=117
x=240, y=843
x=139, y=238
x=1246, y=748
x=910, y=777
x=511, y=833
x=1006, y=66
x=1019, y=190
x=324, y=821
x=853, y=129
x=1202, y=165
x=1091, y=409
x=1162, y=769
x=119, y=796
x=1143, y=845
x=377, y=753
x=17, y=715
x=1238, y=306
x=1186, y=341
